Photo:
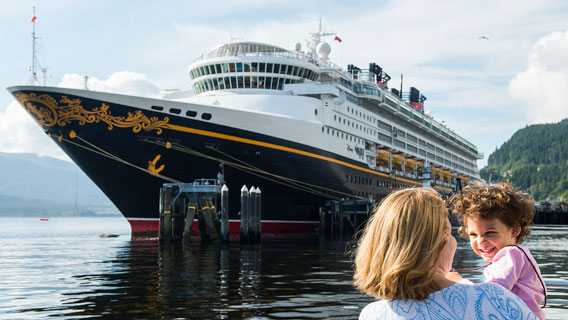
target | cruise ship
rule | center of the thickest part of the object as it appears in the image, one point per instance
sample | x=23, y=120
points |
x=288, y=121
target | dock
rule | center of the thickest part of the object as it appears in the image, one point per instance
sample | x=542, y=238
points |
x=339, y=217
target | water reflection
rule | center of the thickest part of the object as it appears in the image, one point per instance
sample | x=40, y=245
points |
x=68, y=277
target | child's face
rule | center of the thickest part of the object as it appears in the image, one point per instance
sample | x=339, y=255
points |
x=488, y=236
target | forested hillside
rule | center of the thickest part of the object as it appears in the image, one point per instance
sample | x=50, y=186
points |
x=535, y=159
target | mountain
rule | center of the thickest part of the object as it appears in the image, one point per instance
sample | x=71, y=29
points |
x=535, y=159
x=31, y=184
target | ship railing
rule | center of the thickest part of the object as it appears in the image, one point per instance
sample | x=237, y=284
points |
x=332, y=66
x=285, y=54
x=205, y=182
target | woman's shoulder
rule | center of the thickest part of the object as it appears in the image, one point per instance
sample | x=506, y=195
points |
x=491, y=300
x=459, y=301
x=374, y=310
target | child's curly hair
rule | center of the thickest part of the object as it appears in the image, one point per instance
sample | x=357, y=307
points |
x=494, y=202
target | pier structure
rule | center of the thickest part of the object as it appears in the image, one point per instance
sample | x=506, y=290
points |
x=344, y=216
x=181, y=203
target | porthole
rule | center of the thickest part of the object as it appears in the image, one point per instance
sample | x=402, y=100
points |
x=157, y=108
x=316, y=112
x=175, y=110
x=206, y=116
x=190, y=113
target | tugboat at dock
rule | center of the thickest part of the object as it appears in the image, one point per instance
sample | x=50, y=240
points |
x=291, y=122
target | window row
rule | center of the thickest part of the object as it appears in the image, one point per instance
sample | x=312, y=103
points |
x=361, y=115
x=241, y=82
x=254, y=67
x=339, y=134
x=352, y=124
x=369, y=182
x=189, y=113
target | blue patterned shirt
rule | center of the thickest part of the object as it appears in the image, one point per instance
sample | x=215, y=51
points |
x=485, y=301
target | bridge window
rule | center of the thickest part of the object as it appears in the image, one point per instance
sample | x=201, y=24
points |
x=295, y=71
x=261, y=82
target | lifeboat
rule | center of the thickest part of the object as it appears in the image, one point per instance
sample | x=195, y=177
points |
x=446, y=175
x=410, y=164
x=383, y=157
x=397, y=158
x=419, y=164
x=438, y=173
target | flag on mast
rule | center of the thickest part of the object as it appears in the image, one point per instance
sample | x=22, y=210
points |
x=33, y=18
x=337, y=38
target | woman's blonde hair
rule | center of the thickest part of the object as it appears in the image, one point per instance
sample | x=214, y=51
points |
x=401, y=244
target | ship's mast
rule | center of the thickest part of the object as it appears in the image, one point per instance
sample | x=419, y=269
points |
x=35, y=63
x=33, y=68
x=315, y=39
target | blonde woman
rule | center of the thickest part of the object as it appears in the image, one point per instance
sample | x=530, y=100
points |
x=404, y=257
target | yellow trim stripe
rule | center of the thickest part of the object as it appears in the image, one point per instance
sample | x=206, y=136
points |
x=443, y=188
x=277, y=147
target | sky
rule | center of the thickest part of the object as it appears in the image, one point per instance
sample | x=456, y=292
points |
x=487, y=67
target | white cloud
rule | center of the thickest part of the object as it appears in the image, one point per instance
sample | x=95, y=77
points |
x=124, y=82
x=541, y=88
x=20, y=134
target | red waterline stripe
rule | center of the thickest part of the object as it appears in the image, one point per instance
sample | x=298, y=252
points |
x=272, y=227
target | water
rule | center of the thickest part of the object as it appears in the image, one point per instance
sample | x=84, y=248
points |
x=63, y=269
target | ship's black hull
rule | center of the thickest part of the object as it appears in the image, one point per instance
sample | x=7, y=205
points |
x=119, y=146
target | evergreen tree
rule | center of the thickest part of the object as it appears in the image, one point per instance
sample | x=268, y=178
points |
x=535, y=159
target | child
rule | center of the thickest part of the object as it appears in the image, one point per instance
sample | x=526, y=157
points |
x=496, y=220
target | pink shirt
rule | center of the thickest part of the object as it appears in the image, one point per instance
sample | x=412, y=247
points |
x=512, y=270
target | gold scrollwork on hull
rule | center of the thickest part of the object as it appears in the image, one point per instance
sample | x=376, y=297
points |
x=49, y=112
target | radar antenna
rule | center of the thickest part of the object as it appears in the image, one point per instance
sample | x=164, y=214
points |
x=315, y=39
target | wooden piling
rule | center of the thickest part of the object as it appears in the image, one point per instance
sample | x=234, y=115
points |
x=165, y=231
x=190, y=212
x=225, y=213
x=258, y=216
x=252, y=215
x=245, y=214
